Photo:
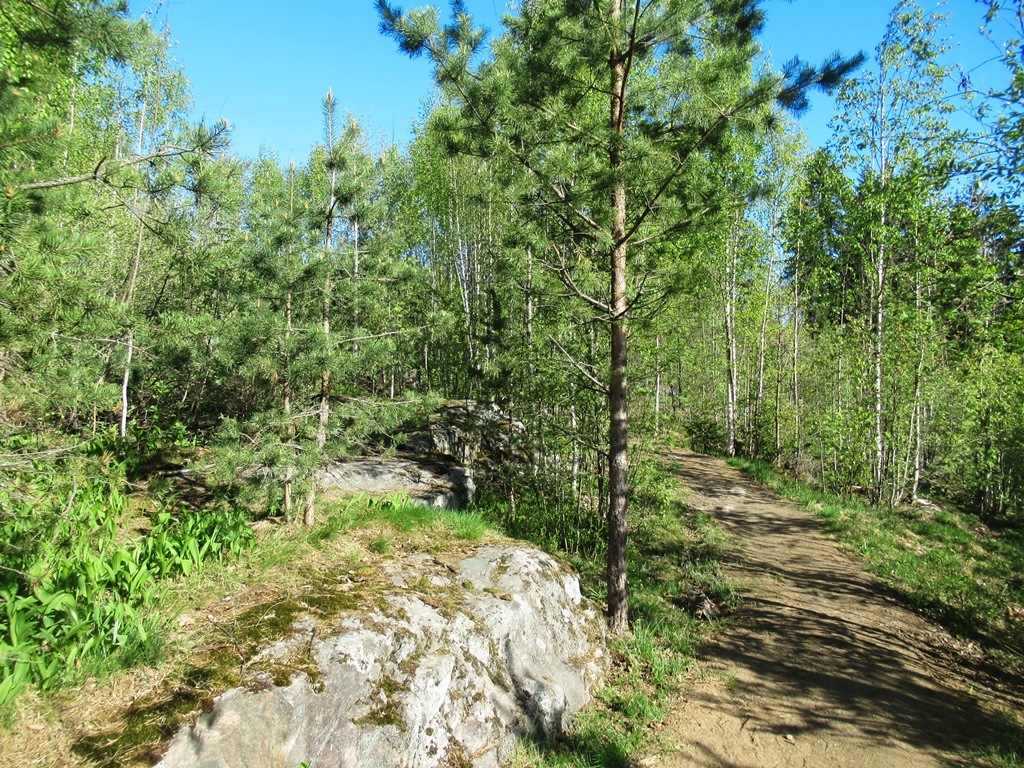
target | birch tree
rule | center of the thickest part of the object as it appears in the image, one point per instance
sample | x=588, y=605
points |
x=894, y=131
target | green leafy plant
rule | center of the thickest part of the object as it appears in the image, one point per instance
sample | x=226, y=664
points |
x=76, y=598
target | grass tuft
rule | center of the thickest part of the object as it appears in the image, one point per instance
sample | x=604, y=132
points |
x=470, y=526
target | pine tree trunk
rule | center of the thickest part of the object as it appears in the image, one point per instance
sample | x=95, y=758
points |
x=618, y=461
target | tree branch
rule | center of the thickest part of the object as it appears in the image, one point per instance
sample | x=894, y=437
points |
x=598, y=385
x=101, y=171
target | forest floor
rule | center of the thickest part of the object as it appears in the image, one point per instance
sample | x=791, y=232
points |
x=821, y=665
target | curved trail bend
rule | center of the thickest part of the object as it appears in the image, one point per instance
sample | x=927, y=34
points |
x=821, y=667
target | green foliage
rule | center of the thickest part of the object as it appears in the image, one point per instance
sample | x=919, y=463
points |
x=979, y=461
x=538, y=516
x=705, y=435
x=46, y=49
x=1000, y=108
x=605, y=185
x=185, y=293
x=76, y=596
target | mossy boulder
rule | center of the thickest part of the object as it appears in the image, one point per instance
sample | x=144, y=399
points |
x=453, y=663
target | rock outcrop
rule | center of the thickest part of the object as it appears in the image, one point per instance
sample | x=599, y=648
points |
x=436, y=465
x=450, y=665
x=471, y=433
x=431, y=482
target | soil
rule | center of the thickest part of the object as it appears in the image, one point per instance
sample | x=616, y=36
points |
x=821, y=666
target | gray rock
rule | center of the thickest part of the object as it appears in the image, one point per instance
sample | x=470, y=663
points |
x=429, y=482
x=503, y=647
x=470, y=433
x=436, y=466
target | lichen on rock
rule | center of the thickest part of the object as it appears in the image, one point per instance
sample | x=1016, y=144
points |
x=434, y=673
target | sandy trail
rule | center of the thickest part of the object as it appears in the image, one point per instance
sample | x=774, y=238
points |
x=821, y=667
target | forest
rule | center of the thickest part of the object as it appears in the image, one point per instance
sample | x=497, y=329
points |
x=608, y=224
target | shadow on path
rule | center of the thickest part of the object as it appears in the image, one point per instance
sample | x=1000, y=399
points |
x=823, y=665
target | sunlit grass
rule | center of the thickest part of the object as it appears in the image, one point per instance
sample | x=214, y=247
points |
x=401, y=515
x=471, y=526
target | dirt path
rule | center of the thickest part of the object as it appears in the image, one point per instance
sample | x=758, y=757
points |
x=821, y=667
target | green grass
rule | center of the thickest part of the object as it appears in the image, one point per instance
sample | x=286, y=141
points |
x=400, y=514
x=944, y=562
x=1008, y=754
x=470, y=526
x=381, y=545
x=673, y=551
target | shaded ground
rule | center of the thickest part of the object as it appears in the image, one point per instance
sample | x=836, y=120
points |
x=822, y=667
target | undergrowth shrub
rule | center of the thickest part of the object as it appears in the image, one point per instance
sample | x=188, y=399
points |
x=705, y=435
x=73, y=593
x=674, y=553
x=539, y=514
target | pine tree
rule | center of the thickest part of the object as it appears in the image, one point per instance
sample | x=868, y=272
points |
x=609, y=107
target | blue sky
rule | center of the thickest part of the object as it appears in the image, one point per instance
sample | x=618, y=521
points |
x=265, y=65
